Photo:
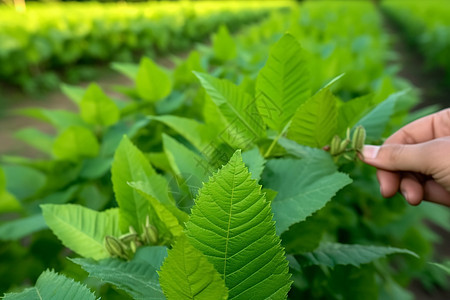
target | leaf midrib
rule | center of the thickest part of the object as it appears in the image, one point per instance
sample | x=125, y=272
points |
x=228, y=228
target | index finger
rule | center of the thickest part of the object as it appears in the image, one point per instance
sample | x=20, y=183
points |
x=424, y=129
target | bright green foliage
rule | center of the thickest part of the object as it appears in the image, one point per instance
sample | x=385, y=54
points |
x=130, y=165
x=255, y=162
x=53, y=286
x=376, y=120
x=332, y=254
x=8, y=202
x=183, y=72
x=74, y=143
x=198, y=134
x=74, y=93
x=315, y=122
x=186, y=163
x=36, y=138
x=443, y=266
x=312, y=184
x=98, y=109
x=244, y=124
x=20, y=228
x=152, y=82
x=81, y=229
x=187, y=274
x=223, y=45
x=231, y=223
x=350, y=112
x=60, y=119
x=127, y=69
x=137, y=277
x=283, y=84
x=166, y=217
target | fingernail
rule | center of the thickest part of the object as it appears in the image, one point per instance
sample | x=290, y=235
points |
x=370, y=151
x=405, y=195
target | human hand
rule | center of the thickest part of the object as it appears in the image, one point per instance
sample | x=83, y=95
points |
x=415, y=160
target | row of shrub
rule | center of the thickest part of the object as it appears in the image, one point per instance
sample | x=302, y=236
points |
x=52, y=41
x=427, y=26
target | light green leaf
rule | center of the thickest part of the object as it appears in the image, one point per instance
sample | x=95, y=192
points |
x=445, y=266
x=152, y=82
x=351, y=111
x=183, y=72
x=98, y=109
x=53, y=286
x=75, y=143
x=186, y=164
x=304, y=186
x=130, y=165
x=187, y=274
x=315, y=122
x=81, y=229
x=244, y=124
x=232, y=225
x=74, y=93
x=60, y=119
x=137, y=278
x=127, y=69
x=283, y=84
x=224, y=46
x=255, y=162
x=332, y=254
x=198, y=134
x=8, y=203
x=376, y=120
x=167, y=218
x=36, y=138
x=17, y=229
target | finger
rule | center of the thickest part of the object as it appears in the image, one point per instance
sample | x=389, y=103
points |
x=411, y=188
x=434, y=192
x=422, y=130
x=389, y=182
x=392, y=157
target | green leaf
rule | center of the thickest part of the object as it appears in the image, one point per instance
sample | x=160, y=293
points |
x=244, y=124
x=127, y=69
x=348, y=282
x=198, y=134
x=75, y=143
x=154, y=255
x=98, y=109
x=183, y=72
x=255, y=162
x=17, y=177
x=81, y=229
x=315, y=122
x=283, y=84
x=232, y=225
x=53, y=286
x=377, y=119
x=445, y=266
x=61, y=119
x=185, y=163
x=74, y=93
x=304, y=186
x=137, y=278
x=351, y=111
x=152, y=82
x=36, y=138
x=224, y=46
x=17, y=229
x=167, y=218
x=8, y=203
x=187, y=274
x=130, y=165
x=332, y=254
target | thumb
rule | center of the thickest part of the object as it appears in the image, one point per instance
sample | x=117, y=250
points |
x=401, y=157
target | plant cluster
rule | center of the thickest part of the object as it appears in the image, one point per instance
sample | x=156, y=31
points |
x=426, y=25
x=45, y=44
x=211, y=182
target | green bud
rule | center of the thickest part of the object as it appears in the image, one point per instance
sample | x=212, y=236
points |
x=128, y=237
x=359, y=137
x=334, y=145
x=114, y=246
x=150, y=235
x=343, y=145
x=132, y=230
x=133, y=246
